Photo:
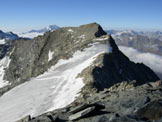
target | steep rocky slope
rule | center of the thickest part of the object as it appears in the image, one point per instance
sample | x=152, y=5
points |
x=60, y=64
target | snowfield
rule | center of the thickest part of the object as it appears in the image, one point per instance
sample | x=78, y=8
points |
x=54, y=89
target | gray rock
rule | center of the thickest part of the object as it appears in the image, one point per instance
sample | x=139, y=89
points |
x=44, y=118
x=98, y=106
x=82, y=113
x=152, y=111
x=25, y=119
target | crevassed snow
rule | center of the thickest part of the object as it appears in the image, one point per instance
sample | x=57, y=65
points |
x=2, y=41
x=4, y=63
x=50, y=54
x=54, y=89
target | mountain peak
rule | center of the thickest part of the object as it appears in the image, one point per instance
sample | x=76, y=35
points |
x=63, y=63
x=94, y=27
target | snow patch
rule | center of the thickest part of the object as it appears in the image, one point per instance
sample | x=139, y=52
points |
x=130, y=38
x=2, y=41
x=4, y=63
x=70, y=30
x=54, y=89
x=101, y=39
x=82, y=37
x=50, y=55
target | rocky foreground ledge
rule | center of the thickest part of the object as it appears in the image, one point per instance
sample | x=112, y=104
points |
x=123, y=102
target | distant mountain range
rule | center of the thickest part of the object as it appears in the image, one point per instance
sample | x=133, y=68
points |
x=149, y=34
x=7, y=36
x=35, y=33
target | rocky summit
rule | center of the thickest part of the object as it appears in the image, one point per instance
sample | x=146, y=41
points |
x=72, y=60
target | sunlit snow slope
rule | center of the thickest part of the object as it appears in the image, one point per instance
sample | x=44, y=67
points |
x=54, y=89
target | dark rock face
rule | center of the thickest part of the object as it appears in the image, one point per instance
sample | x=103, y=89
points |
x=4, y=48
x=109, y=69
x=117, y=67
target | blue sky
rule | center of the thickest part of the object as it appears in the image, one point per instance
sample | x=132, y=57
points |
x=22, y=15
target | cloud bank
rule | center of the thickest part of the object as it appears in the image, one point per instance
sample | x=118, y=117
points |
x=151, y=60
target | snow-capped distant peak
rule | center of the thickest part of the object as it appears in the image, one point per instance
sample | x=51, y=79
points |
x=51, y=27
x=8, y=36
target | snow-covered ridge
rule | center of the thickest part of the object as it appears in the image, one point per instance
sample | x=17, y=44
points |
x=54, y=89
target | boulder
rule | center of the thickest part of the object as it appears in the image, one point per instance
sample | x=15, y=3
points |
x=152, y=111
x=82, y=113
